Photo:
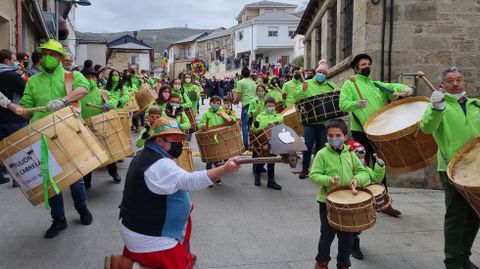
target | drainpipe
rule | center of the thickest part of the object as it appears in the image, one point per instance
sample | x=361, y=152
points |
x=19, y=26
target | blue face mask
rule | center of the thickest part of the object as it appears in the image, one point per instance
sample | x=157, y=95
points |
x=14, y=66
x=320, y=77
x=215, y=107
x=336, y=142
x=270, y=109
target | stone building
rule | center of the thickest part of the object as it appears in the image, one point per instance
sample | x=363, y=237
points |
x=181, y=54
x=217, y=50
x=409, y=36
x=127, y=51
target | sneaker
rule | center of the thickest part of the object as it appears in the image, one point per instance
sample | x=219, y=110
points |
x=303, y=174
x=86, y=217
x=58, y=225
x=116, y=178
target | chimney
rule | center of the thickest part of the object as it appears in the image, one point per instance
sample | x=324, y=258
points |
x=135, y=34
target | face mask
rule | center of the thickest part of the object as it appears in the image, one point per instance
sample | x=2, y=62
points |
x=165, y=96
x=25, y=64
x=365, y=71
x=336, y=142
x=14, y=66
x=270, y=109
x=215, y=107
x=320, y=77
x=457, y=96
x=49, y=62
x=261, y=94
x=362, y=161
x=226, y=106
x=188, y=80
x=175, y=149
x=177, y=87
x=115, y=78
x=297, y=76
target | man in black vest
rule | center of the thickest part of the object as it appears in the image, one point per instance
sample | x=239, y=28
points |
x=155, y=210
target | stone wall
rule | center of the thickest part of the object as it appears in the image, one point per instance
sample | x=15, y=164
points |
x=205, y=48
x=121, y=59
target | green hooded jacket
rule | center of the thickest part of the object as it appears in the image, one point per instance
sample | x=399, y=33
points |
x=95, y=97
x=314, y=88
x=376, y=99
x=44, y=86
x=252, y=108
x=187, y=88
x=212, y=119
x=451, y=128
x=329, y=163
x=264, y=119
x=290, y=88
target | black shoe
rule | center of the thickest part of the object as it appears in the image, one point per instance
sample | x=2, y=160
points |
x=14, y=184
x=303, y=174
x=356, y=251
x=470, y=265
x=57, y=226
x=88, y=184
x=116, y=178
x=86, y=217
x=273, y=185
x=3, y=179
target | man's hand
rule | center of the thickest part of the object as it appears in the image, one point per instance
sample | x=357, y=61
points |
x=362, y=103
x=231, y=166
x=4, y=101
x=404, y=92
x=335, y=181
x=55, y=105
x=353, y=184
x=438, y=100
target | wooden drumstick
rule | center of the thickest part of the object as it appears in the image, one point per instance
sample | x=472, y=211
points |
x=32, y=109
x=421, y=75
x=354, y=80
x=225, y=116
x=354, y=189
x=93, y=105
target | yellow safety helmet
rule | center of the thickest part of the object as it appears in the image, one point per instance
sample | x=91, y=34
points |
x=53, y=45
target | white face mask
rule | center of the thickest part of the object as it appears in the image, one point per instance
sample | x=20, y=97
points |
x=188, y=80
x=457, y=96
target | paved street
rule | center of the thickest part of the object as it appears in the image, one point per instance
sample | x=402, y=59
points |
x=236, y=225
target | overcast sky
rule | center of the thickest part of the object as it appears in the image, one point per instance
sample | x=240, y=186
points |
x=128, y=15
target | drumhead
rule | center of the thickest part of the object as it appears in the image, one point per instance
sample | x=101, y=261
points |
x=467, y=168
x=376, y=189
x=397, y=118
x=347, y=197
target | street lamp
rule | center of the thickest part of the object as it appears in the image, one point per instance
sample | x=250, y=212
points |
x=84, y=3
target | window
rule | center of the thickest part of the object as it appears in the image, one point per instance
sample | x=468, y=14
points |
x=333, y=35
x=133, y=60
x=280, y=10
x=291, y=31
x=269, y=10
x=272, y=31
x=184, y=53
x=318, y=43
x=188, y=52
x=348, y=28
x=240, y=35
x=209, y=46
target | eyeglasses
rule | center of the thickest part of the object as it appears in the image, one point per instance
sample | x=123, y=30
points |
x=450, y=81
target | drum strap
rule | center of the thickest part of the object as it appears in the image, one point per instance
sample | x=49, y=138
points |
x=69, y=89
x=383, y=89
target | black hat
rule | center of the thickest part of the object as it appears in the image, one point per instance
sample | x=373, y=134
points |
x=89, y=71
x=359, y=57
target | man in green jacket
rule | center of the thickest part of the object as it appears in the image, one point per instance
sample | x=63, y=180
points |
x=47, y=88
x=315, y=134
x=245, y=93
x=454, y=120
x=375, y=95
x=290, y=87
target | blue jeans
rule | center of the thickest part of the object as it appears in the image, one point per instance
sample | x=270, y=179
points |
x=245, y=126
x=79, y=195
x=6, y=130
x=315, y=136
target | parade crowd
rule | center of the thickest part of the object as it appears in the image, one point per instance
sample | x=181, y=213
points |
x=154, y=219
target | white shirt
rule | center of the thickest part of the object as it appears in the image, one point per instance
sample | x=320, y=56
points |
x=164, y=177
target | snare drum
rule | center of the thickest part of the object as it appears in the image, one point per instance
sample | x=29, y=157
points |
x=463, y=171
x=318, y=108
x=397, y=138
x=350, y=212
x=220, y=142
x=382, y=199
x=260, y=142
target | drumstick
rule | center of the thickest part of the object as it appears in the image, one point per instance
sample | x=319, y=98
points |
x=429, y=84
x=33, y=109
x=225, y=116
x=354, y=80
x=93, y=105
x=354, y=190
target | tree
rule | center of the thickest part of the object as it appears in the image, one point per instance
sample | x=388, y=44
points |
x=298, y=61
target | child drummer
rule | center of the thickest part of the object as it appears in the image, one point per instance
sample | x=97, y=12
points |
x=335, y=166
x=174, y=109
x=376, y=176
x=227, y=106
x=154, y=113
x=261, y=122
x=214, y=116
x=257, y=106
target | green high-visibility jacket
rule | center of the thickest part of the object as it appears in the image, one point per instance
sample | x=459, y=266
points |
x=95, y=97
x=277, y=95
x=121, y=95
x=314, y=88
x=212, y=119
x=289, y=88
x=187, y=88
x=247, y=88
x=252, y=108
x=182, y=120
x=451, y=128
x=376, y=174
x=329, y=163
x=44, y=87
x=264, y=119
x=375, y=97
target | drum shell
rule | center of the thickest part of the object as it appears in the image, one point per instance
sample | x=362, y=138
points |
x=355, y=217
x=144, y=98
x=260, y=142
x=382, y=200
x=70, y=142
x=405, y=150
x=470, y=193
x=228, y=143
x=132, y=104
x=318, y=108
x=108, y=129
x=126, y=122
x=191, y=118
x=292, y=120
x=185, y=159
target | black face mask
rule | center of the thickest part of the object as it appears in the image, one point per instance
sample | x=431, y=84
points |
x=25, y=64
x=175, y=149
x=297, y=76
x=365, y=71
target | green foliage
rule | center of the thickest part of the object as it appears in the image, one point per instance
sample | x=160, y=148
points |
x=298, y=61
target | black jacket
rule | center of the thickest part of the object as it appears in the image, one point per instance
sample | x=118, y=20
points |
x=12, y=86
